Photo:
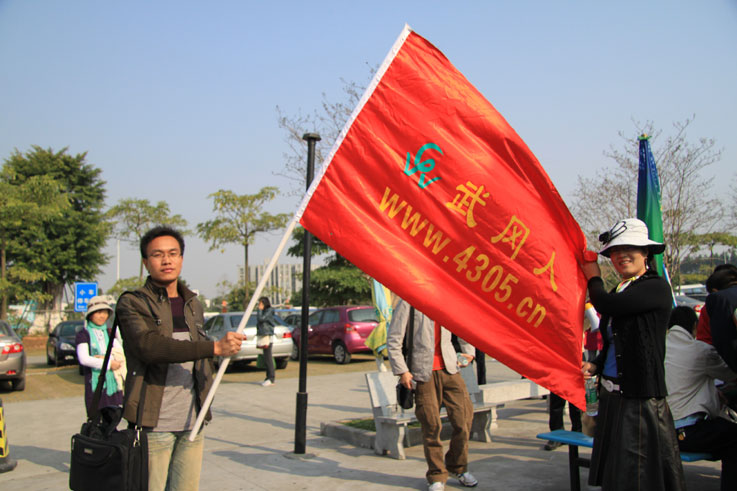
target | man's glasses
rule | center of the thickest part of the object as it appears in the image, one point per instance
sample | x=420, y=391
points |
x=159, y=255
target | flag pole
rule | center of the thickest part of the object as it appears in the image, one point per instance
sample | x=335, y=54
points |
x=224, y=363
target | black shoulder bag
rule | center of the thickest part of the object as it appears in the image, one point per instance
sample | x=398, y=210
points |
x=104, y=457
x=405, y=396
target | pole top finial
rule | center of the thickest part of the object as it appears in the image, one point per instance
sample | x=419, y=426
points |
x=311, y=136
x=644, y=136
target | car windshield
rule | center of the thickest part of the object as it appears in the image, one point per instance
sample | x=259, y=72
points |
x=362, y=315
x=69, y=329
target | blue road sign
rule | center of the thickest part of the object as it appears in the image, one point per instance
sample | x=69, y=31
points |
x=82, y=294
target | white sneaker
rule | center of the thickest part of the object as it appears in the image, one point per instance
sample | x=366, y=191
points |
x=436, y=486
x=266, y=383
x=466, y=479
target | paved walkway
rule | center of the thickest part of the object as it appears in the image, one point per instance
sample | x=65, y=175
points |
x=249, y=444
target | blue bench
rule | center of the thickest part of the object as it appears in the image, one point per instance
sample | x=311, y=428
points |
x=575, y=439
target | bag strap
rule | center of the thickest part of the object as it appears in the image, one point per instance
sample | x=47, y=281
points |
x=103, y=371
x=108, y=352
x=409, y=338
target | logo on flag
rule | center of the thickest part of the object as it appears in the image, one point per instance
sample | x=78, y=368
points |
x=468, y=227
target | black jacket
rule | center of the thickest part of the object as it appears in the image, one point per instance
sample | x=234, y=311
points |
x=639, y=317
x=721, y=307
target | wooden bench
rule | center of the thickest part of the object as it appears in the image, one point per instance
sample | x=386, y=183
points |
x=575, y=439
x=391, y=420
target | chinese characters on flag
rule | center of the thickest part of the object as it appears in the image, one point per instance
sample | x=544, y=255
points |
x=432, y=193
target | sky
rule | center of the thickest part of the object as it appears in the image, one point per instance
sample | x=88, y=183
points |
x=174, y=100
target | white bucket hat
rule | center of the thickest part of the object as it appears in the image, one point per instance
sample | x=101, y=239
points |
x=96, y=303
x=632, y=232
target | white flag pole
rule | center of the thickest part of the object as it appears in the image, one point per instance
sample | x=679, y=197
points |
x=242, y=324
x=300, y=210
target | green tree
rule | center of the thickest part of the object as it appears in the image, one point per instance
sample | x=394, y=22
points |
x=134, y=217
x=23, y=206
x=125, y=284
x=238, y=218
x=688, y=202
x=712, y=240
x=337, y=282
x=68, y=248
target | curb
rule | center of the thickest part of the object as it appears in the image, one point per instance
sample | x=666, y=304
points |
x=354, y=436
x=365, y=439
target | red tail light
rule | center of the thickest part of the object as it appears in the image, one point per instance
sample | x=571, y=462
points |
x=349, y=327
x=287, y=335
x=12, y=348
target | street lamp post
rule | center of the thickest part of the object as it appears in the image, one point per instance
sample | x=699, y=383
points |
x=300, y=426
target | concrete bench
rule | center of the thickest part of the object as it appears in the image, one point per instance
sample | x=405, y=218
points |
x=391, y=420
x=575, y=439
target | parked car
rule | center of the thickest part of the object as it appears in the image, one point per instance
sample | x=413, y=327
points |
x=12, y=357
x=61, y=348
x=696, y=291
x=293, y=316
x=341, y=331
x=217, y=326
x=687, y=301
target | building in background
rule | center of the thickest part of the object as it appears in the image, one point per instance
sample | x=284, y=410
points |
x=284, y=281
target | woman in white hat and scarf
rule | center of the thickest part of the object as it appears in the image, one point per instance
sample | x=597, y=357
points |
x=92, y=342
x=635, y=444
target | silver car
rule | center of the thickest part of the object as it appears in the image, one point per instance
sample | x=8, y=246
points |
x=217, y=326
x=13, y=357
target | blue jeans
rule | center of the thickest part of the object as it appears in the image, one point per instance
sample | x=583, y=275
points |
x=174, y=463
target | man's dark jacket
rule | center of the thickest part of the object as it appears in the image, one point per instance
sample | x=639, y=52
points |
x=146, y=326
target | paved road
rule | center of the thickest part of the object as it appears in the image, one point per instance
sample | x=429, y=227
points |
x=249, y=443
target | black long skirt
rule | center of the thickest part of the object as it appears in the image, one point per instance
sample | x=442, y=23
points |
x=635, y=445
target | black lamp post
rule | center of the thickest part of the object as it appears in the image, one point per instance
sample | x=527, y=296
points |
x=300, y=425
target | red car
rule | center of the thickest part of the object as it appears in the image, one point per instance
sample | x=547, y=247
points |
x=339, y=330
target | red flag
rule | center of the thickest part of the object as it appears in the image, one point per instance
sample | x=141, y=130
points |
x=431, y=192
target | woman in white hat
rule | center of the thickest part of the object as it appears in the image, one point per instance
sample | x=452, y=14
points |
x=92, y=342
x=635, y=444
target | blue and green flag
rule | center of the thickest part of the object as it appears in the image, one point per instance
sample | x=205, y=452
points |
x=648, y=197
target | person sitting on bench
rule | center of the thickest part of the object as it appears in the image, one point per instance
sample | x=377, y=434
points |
x=690, y=369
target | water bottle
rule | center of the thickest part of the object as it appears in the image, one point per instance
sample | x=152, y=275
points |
x=462, y=360
x=592, y=398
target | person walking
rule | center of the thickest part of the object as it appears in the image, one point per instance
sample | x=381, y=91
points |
x=92, y=342
x=169, y=362
x=265, y=323
x=635, y=444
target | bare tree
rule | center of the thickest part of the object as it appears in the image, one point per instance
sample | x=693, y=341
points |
x=328, y=121
x=688, y=202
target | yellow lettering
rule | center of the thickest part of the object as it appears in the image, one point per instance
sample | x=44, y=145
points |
x=391, y=202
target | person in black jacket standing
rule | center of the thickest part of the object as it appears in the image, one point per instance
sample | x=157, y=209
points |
x=635, y=445
x=265, y=324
